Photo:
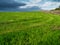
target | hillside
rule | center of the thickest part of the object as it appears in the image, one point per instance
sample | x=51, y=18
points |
x=29, y=28
x=56, y=11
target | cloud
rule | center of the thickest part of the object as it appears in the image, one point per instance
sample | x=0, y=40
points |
x=31, y=3
x=56, y=0
x=10, y=5
x=50, y=5
x=21, y=5
x=35, y=1
x=42, y=4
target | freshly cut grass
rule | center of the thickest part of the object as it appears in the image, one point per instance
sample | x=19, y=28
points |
x=29, y=28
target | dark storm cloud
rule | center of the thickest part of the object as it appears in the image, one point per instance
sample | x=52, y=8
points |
x=9, y=5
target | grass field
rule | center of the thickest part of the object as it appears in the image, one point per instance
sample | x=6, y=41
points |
x=29, y=28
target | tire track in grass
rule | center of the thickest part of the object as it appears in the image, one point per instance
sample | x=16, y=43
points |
x=29, y=26
x=51, y=18
x=24, y=28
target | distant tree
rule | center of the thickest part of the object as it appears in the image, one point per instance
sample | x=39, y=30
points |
x=58, y=8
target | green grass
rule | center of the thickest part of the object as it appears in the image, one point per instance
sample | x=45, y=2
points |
x=29, y=28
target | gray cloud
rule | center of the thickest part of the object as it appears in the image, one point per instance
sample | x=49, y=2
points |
x=9, y=4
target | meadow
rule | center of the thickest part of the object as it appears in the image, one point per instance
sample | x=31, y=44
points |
x=29, y=28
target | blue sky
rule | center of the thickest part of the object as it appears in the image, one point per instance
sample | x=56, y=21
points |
x=28, y=5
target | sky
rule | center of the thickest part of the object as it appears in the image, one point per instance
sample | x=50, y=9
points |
x=28, y=5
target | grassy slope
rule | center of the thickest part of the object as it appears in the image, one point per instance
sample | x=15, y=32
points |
x=29, y=28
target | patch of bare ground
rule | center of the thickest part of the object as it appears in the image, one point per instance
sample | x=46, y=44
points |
x=52, y=11
x=55, y=11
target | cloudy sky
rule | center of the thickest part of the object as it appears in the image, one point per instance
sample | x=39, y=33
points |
x=28, y=5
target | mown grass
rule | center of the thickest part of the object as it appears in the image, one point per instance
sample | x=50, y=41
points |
x=29, y=28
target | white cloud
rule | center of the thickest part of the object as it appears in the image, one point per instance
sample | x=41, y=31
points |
x=45, y=6
x=50, y=5
x=31, y=3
